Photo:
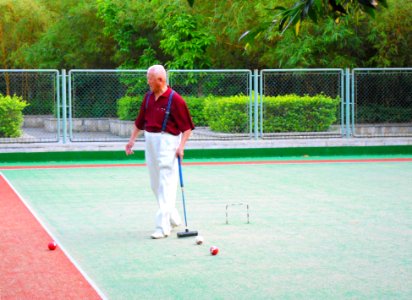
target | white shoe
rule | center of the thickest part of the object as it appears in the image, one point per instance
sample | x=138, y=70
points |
x=158, y=235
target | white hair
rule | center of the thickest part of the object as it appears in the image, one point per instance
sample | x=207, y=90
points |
x=158, y=70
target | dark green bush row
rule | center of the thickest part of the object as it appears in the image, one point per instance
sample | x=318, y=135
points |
x=40, y=107
x=292, y=113
x=196, y=108
x=227, y=114
x=289, y=113
x=128, y=107
x=94, y=109
x=369, y=114
x=11, y=116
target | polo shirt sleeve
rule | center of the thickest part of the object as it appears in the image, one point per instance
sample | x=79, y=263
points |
x=181, y=114
x=139, y=122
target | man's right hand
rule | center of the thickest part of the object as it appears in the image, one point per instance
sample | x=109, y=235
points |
x=129, y=147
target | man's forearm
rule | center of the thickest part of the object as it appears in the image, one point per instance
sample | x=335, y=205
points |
x=185, y=137
x=134, y=134
x=132, y=139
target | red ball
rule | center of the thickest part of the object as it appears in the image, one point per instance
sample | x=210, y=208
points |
x=52, y=245
x=214, y=250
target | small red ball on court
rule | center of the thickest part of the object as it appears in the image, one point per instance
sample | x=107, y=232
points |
x=52, y=245
x=214, y=250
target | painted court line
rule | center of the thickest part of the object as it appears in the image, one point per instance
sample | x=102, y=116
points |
x=11, y=195
x=217, y=163
x=289, y=162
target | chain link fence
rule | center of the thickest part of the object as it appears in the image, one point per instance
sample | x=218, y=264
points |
x=220, y=102
x=40, y=90
x=301, y=103
x=95, y=97
x=102, y=104
x=382, y=101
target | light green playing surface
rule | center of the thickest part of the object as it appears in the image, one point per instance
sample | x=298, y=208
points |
x=317, y=231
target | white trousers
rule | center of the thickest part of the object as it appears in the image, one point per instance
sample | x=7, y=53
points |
x=163, y=170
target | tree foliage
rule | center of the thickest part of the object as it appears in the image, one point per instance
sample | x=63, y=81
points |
x=131, y=25
x=21, y=24
x=74, y=40
x=314, y=9
x=319, y=9
x=156, y=32
x=131, y=34
x=185, y=41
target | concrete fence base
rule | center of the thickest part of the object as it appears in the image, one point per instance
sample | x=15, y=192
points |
x=35, y=121
x=403, y=129
x=121, y=128
x=124, y=128
x=114, y=126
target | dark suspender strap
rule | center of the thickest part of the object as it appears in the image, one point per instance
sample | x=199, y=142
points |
x=147, y=100
x=169, y=104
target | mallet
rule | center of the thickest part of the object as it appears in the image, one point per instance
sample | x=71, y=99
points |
x=187, y=232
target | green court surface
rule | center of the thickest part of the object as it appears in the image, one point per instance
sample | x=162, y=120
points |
x=317, y=231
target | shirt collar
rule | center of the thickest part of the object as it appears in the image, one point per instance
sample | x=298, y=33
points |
x=167, y=93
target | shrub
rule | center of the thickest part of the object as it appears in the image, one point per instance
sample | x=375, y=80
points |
x=293, y=113
x=128, y=107
x=378, y=113
x=288, y=113
x=227, y=114
x=196, y=108
x=40, y=107
x=11, y=116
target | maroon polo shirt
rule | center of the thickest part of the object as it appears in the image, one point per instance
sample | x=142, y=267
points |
x=151, y=118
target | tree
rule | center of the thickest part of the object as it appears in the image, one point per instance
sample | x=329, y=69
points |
x=314, y=9
x=321, y=45
x=226, y=21
x=74, y=40
x=355, y=41
x=21, y=24
x=390, y=36
x=319, y=9
x=156, y=31
x=185, y=40
x=131, y=24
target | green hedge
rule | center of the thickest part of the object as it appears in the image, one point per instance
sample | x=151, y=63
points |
x=40, y=107
x=378, y=113
x=196, y=108
x=293, y=113
x=128, y=107
x=227, y=114
x=288, y=113
x=11, y=116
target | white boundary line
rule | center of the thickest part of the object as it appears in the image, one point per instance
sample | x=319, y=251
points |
x=60, y=245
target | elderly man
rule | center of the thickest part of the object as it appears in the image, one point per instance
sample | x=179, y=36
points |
x=167, y=125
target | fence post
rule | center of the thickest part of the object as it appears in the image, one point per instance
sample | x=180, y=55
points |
x=59, y=105
x=352, y=103
x=256, y=93
x=348, y=101
x=64, y=117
